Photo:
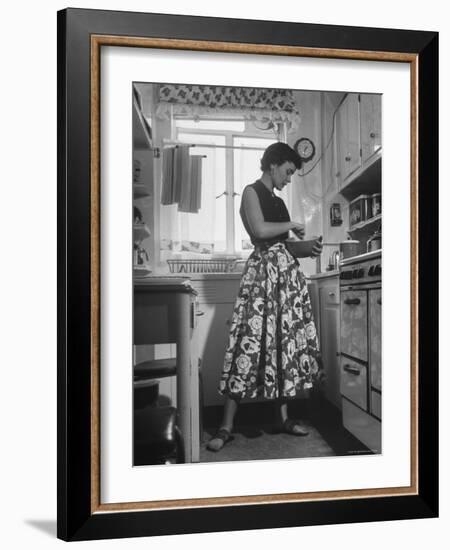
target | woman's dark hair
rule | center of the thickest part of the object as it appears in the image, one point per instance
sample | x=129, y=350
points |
x=279, y=153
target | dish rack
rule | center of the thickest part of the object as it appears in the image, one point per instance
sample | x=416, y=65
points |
x=220, y=265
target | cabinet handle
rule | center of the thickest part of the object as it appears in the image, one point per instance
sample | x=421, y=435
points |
x=372, y=134
x=199, y=313
x=352, y=301
x=332, y=294
x=348, y=158
x=379, y=301
x=352, y=370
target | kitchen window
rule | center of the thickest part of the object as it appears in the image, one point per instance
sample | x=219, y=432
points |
x=228, y=166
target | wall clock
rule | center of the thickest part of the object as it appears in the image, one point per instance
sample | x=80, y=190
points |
x=305, y=149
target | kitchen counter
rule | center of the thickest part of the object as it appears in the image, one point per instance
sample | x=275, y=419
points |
x=324, y=275
x=163, y=283
x=361, y=257
x=184, y=278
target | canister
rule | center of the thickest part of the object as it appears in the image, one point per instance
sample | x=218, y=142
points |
x=374, y=242
x=376, y=204
x=348, y=248
x=360, y=209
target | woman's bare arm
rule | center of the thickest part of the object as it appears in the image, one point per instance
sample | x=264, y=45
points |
x=259, y=227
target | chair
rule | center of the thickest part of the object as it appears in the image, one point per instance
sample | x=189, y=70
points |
x=156, y=436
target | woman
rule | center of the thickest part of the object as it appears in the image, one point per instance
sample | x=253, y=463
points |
x=272, y=348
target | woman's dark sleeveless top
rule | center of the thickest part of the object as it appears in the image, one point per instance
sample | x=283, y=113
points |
x=273, y=209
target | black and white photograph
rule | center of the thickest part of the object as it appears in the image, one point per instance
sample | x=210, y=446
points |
x=240, y=346
x=257, y=273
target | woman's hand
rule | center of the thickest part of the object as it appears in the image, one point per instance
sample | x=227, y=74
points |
x=298, y=229
x=317, y=248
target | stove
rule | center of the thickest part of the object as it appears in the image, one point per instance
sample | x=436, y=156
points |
x=360, y=353
x=361, y=270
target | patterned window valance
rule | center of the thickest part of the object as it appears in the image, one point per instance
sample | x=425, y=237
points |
x=251, y=103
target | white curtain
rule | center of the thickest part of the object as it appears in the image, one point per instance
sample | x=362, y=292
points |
x=261, y=104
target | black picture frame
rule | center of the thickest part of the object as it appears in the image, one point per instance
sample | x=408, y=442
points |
x=79, y=515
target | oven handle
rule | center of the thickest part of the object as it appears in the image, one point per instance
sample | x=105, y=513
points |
x=352, y=301
x=352, y=370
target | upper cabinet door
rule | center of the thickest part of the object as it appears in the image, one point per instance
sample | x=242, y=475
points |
x=348, y=137
x=370, y=107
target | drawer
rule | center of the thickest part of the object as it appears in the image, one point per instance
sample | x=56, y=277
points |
x=216, y=291
x=354, y=323
x=329, y=294
x=354, y=382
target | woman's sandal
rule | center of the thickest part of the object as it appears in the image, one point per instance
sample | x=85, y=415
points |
x=219, y=439
x=292, y=427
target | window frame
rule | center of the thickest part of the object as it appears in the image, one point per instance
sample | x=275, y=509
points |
x=231, y=194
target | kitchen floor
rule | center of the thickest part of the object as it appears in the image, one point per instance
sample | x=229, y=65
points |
x=327, y=437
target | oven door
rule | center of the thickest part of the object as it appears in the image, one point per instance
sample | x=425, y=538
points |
x=375, y=337
x=354, y=323
x=354, y=382
x=375, y=351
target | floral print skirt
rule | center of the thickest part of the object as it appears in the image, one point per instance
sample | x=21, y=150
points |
x=273, y=349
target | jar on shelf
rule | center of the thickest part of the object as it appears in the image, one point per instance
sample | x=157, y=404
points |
x=376, y=204
x=360, y=209
x=374, y=242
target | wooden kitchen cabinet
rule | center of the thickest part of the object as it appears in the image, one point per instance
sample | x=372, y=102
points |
x=216, y=299
x=370, y=113
x=329, y=338
x=348, y=137
x=358, y=144
x=324, y=295
x=212, y=341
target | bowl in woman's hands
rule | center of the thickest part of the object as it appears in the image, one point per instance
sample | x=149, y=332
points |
x=302, y=249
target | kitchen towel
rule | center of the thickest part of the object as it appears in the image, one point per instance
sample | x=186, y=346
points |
x=190, y=200
x=181, y=171
x=167, y=195
x=181, y=179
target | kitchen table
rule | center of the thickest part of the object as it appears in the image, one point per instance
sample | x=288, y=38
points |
x=164, y=312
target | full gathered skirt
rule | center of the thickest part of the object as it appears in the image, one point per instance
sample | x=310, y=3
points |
x=273, y=348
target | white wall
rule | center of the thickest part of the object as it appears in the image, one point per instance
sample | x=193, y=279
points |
x=306, y=185
x=28, y=292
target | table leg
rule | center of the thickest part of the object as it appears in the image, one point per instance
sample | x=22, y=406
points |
x=183, y=371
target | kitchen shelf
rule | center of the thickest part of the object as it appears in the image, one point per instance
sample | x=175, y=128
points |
x=141, y=270
x=140, y=191
x=365, y=180
x=367, y=224
x=140, y=232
